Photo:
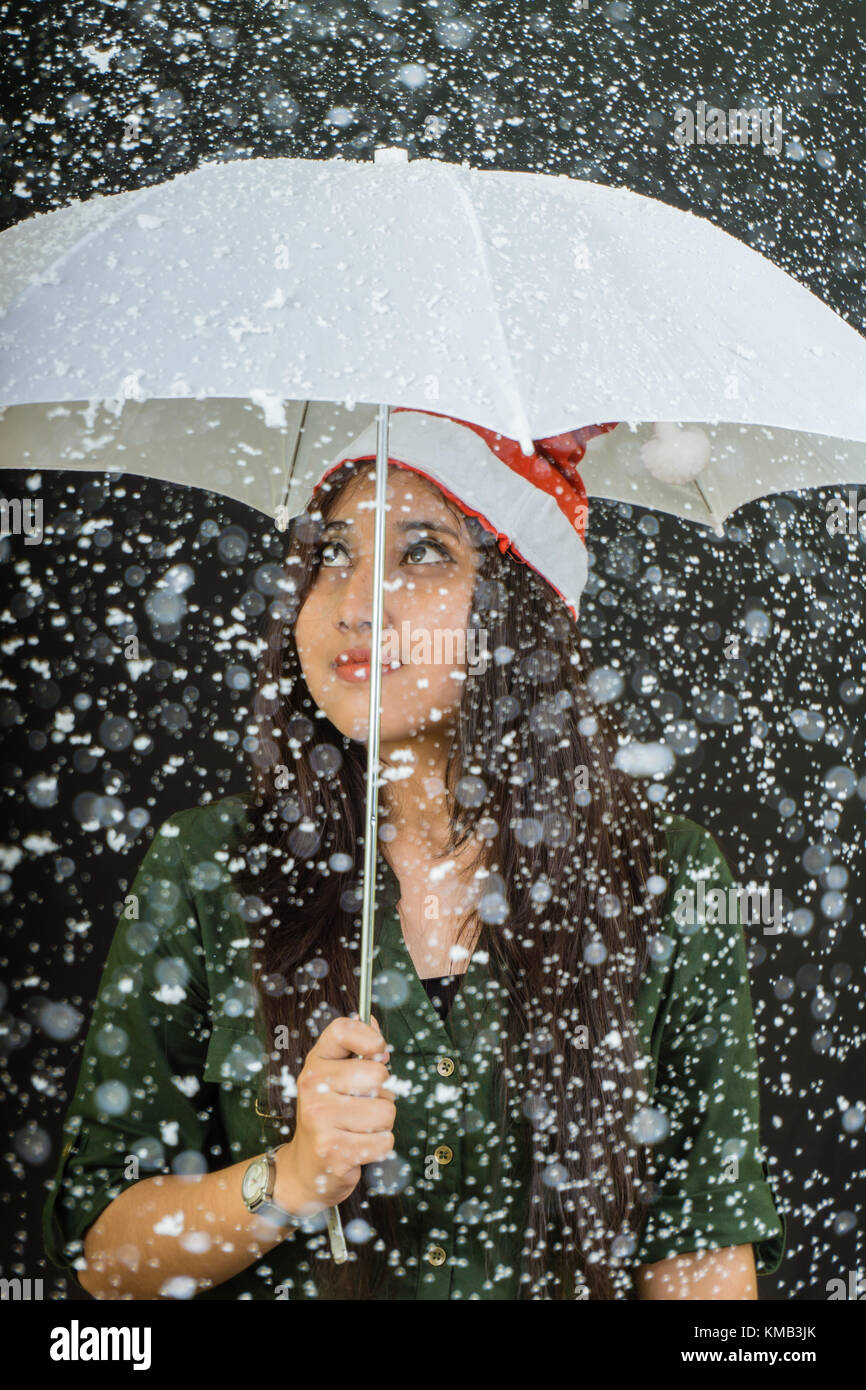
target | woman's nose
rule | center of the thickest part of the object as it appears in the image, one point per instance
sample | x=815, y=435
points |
x=354, y=605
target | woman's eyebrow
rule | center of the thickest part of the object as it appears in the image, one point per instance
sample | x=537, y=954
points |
x=402, y=526
x=427, y=526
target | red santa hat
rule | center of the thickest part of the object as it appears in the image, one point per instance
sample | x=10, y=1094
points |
x=535, y=505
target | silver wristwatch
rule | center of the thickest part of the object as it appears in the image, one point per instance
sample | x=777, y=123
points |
x=257, y=1190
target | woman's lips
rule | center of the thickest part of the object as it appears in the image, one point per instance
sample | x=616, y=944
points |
x=353, y=666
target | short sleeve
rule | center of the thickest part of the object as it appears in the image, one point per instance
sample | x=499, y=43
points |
x=139, y=1105
x=711, y=1185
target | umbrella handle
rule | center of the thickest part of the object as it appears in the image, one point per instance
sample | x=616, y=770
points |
x=335, y=1233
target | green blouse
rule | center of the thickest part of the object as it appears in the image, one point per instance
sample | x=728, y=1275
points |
x=173, y=1062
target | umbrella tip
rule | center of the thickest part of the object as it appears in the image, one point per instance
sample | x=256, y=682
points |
x=390, y=154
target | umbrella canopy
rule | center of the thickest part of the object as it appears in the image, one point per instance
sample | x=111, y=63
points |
x=526, y=302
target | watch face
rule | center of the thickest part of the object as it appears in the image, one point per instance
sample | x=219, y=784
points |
x=255, y=1180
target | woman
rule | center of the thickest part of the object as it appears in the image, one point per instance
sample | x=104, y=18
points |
x=567, y=1103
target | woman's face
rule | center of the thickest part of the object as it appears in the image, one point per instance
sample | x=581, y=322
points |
x=430, y=565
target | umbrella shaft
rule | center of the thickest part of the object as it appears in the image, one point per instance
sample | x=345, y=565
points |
x=371, y=817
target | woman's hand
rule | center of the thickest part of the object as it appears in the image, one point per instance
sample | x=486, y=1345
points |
x=344, y=1118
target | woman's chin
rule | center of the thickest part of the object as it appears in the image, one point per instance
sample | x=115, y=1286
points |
x=402, y=718
x=393, y=729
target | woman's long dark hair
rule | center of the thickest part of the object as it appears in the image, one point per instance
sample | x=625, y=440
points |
x=556, y=813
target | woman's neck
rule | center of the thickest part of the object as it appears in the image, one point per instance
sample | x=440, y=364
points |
x=437, y=890
x=413, y=810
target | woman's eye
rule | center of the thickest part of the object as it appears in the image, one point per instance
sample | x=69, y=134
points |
x=440, y=552
x=325, y=553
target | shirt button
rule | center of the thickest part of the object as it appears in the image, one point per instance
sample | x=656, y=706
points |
x=445, y=1066
x=436, y=1255
x=443, y=1155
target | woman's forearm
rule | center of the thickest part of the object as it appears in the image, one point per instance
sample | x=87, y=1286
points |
x=701, y=1275
x=196, y=1231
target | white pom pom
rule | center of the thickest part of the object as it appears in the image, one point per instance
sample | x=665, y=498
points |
x=675, y=455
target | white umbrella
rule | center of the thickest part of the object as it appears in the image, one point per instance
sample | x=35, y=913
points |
x=182, y=331
x=525, y=302
x=188, y=335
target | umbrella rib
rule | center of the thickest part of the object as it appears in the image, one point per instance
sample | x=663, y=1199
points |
x=524, y=433
x=290, y=471
x=715, y=519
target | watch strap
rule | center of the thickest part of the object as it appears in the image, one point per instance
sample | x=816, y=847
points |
x=275, y=1215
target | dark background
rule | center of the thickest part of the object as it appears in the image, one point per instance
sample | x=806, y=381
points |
x=588, y=93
